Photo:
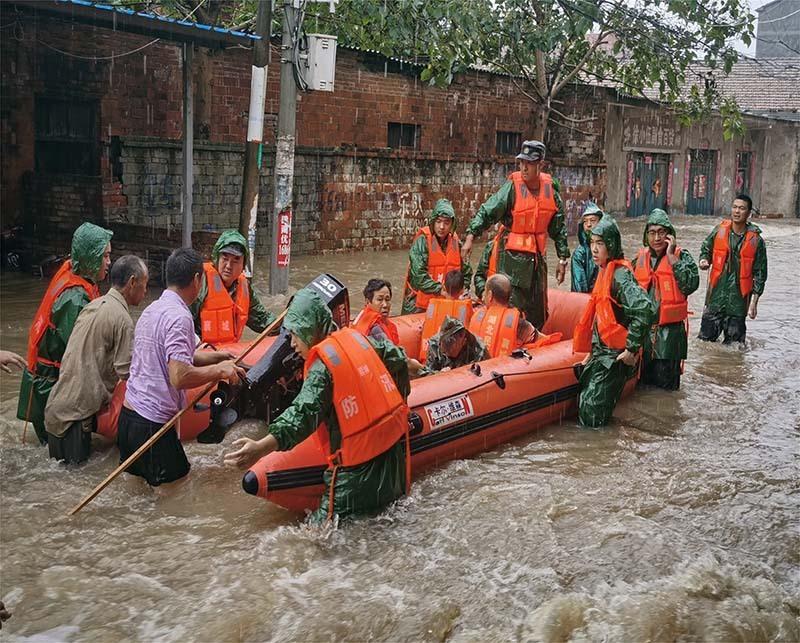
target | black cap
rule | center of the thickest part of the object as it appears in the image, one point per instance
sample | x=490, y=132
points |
x=532, y=151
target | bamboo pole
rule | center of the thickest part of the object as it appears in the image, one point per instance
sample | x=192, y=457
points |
x=156, y=436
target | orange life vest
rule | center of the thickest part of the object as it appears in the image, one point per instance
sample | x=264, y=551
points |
x=438, y=309
x=440, y=262
x=372, y=414
x=370, y=317
x=62, y=280
x=599, y=310
x=221, y=318
x=496, y=326
x=531, y=215
x=672, y=304
x=747, y=257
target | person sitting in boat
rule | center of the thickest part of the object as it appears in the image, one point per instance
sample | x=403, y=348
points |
x=501, y=327
x=453, y=346
x=98, y=356
x=362, y=430
x=373, y=320
x=583, y=270
x=435, y=251
x=612, y=328
x=669, y=275
x=70, y=289
x=454, y=303
x=226, y=303
x=163, y=365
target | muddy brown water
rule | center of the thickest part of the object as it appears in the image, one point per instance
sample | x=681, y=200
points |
x=679, y=521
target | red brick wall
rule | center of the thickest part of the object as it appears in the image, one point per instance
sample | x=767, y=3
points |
x=360, y=194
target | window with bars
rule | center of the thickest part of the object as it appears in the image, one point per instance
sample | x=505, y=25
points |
x=508, y=142
x=403, y=136
x=66, y=137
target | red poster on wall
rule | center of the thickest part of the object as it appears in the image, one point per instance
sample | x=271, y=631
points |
x=284, y=237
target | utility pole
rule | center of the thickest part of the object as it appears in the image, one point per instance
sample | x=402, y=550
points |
x=248, y=212
x=188, y=145
x=284, y=158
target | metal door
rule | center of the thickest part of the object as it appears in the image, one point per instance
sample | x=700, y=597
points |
x=702, y=176
x=647, y=182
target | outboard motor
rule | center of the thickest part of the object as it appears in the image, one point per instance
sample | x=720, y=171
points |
x=279, y=362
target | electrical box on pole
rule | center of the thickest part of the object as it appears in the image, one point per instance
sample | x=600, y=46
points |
x=319, y=64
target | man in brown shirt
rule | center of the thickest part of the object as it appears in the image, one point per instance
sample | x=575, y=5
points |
x=98, y=355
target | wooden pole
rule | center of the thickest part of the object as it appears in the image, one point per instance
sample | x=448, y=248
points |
x=157, y=435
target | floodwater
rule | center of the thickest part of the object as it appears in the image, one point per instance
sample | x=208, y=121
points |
x=677, y=522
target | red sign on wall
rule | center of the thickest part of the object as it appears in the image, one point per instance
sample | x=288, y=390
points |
x=284, y=237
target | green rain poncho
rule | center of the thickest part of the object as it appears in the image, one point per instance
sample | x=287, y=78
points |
x=665, y=346
x=88, y=247
x=604, y=377
x=418, y=275
x=361, y=490
x=583, y=270
x=726, y=298
x=528, y=272
x=258, y=317
x=473, y=351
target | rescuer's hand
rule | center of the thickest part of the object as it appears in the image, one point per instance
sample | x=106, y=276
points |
x=9, y=359
x=752, y=311
x=561, y=271
x=466, y=248
x=627, y=358
x=249, y=451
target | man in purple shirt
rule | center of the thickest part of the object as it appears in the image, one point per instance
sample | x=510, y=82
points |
x=163, y=365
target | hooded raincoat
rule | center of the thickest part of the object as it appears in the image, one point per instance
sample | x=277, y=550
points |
x=258, y=317
x=665, y=347
x=88, y=246
x=361, y=490
x=725, y=307
x=527, y=271
x=583, y=271
x=474, y=349
x=418, y=275
x=603, y=378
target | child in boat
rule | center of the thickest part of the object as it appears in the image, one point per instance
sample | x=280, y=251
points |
x=368, y=464
x=612, y=328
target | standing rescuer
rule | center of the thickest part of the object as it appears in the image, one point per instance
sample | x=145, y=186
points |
x=529, y=207
x=583, y=271
x=613, y=327
x=72, y=287
x=435, y=251
x=669, y=275
x=353, y=397
x=226, y=303
x=737, y=256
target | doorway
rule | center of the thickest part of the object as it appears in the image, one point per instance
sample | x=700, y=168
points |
x=648, y=176
x=702, y=177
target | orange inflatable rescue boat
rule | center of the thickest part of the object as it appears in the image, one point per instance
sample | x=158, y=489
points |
x=455, y=414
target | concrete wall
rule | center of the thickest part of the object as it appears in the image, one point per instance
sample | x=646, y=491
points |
x=780, y=171
x=778, y=30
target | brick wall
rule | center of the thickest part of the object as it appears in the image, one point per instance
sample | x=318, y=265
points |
x=351, y=190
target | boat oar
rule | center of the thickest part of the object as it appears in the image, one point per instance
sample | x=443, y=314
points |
x=156, y=436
